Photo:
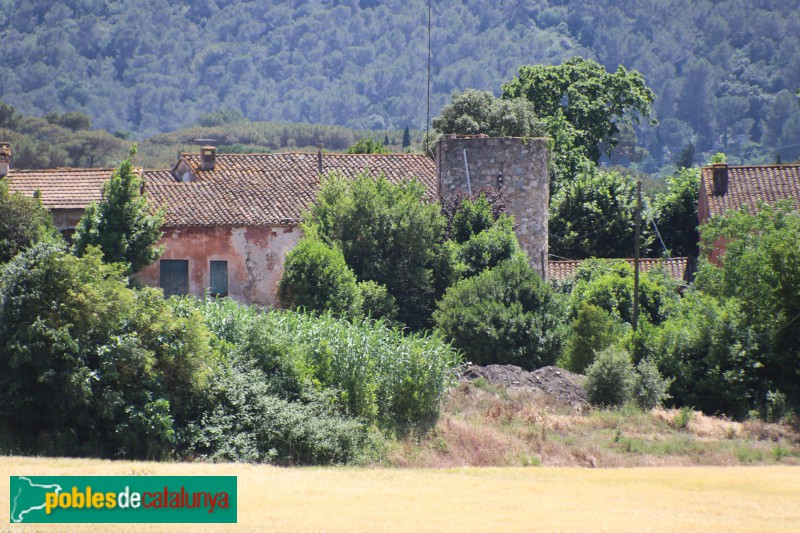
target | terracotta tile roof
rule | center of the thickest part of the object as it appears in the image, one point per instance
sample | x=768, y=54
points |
x=267, y=189
x=749, y=184
x=61, y=188
x=680, y=268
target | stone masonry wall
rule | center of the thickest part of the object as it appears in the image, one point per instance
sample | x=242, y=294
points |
x=519, y=164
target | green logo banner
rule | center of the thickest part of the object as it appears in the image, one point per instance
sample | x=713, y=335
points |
x=122, y=499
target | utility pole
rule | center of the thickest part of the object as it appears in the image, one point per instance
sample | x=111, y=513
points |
x=636, y=255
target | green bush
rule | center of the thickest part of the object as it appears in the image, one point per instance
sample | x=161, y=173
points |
x=712, y=354
x=594, y=329
x=484, y=250
x=316, y=277
x=376, y=302
x=610, y=378
x=504, y=315
x=108, y=371
x=470, y=218
x=649, y=387
x=24, y=222
x=608, y=284
x=389, y=234
x=249, y=422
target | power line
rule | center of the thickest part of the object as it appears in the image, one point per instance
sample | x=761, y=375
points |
x=428, y=98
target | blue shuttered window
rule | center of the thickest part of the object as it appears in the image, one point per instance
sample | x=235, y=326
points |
x=174, y=276
x=219, y=278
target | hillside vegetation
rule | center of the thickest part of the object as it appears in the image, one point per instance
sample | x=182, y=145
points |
x=725, y=73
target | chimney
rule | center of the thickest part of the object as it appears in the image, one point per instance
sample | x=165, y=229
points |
x=208, y=157
x=720, y=175
x=319, y=157
x=5, y=159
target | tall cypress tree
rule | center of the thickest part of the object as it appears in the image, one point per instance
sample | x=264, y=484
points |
x=406, y=138
x=123, y=224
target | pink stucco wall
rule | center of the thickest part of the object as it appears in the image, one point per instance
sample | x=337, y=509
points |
x=254, y=254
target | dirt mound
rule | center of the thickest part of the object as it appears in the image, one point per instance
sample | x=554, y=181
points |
x=551, y=380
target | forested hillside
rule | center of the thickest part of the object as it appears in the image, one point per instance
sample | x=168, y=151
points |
x=725, y=73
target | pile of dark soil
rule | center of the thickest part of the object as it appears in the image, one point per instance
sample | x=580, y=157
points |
x=556, y=382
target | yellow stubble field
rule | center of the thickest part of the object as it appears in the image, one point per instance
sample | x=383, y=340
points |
x=467, y=499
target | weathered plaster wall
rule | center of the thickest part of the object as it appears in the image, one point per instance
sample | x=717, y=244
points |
x=66, y=219
x=255, y=258
x=521, y=165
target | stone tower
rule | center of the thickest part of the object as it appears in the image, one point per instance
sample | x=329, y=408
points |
x=518, y=164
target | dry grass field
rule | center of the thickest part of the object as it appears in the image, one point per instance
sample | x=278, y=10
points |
x=468, y=499
x=494, y=426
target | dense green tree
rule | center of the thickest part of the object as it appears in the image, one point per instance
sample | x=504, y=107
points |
x=592, y=100
x=711, y=353
x=368, y=145
x=388, y=234
x=608, y=284
x=23, y=222
x=474, y=112
x=593, y=216
x=593, y=329
x=316, y=278
x=123, y=224
x=675, y=213
x=108, y=371
x=761, y=270
x=504, y=315
x=406, y=138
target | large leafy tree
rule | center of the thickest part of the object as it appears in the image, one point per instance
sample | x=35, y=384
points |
x=387, y=233
x=104, y=370
x=676, y=213
x=23, y=221
x=474, y=112
x=581, y=103
x=124, y=224
x=761, y=270
x=593, y=216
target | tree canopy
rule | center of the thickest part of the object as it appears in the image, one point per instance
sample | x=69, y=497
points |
x=593, y=101
x=123, y=224
x=23, y=222
x=474, y=112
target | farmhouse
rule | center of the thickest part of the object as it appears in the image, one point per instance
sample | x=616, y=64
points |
x=724, y=187
x=232, y=218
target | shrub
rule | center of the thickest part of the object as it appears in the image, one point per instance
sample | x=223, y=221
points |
x=248, y=422
x=107, y=370
x=682, y=418
x=649, y=388
x=24, y=222
x=503, y=315
x=471, y=218
x=389, y=234
x=610, y=379
x=594, y=329
x=376, y=302
x=608, y=284
x=316, y=277
x=486, y=249
x=712, y=354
